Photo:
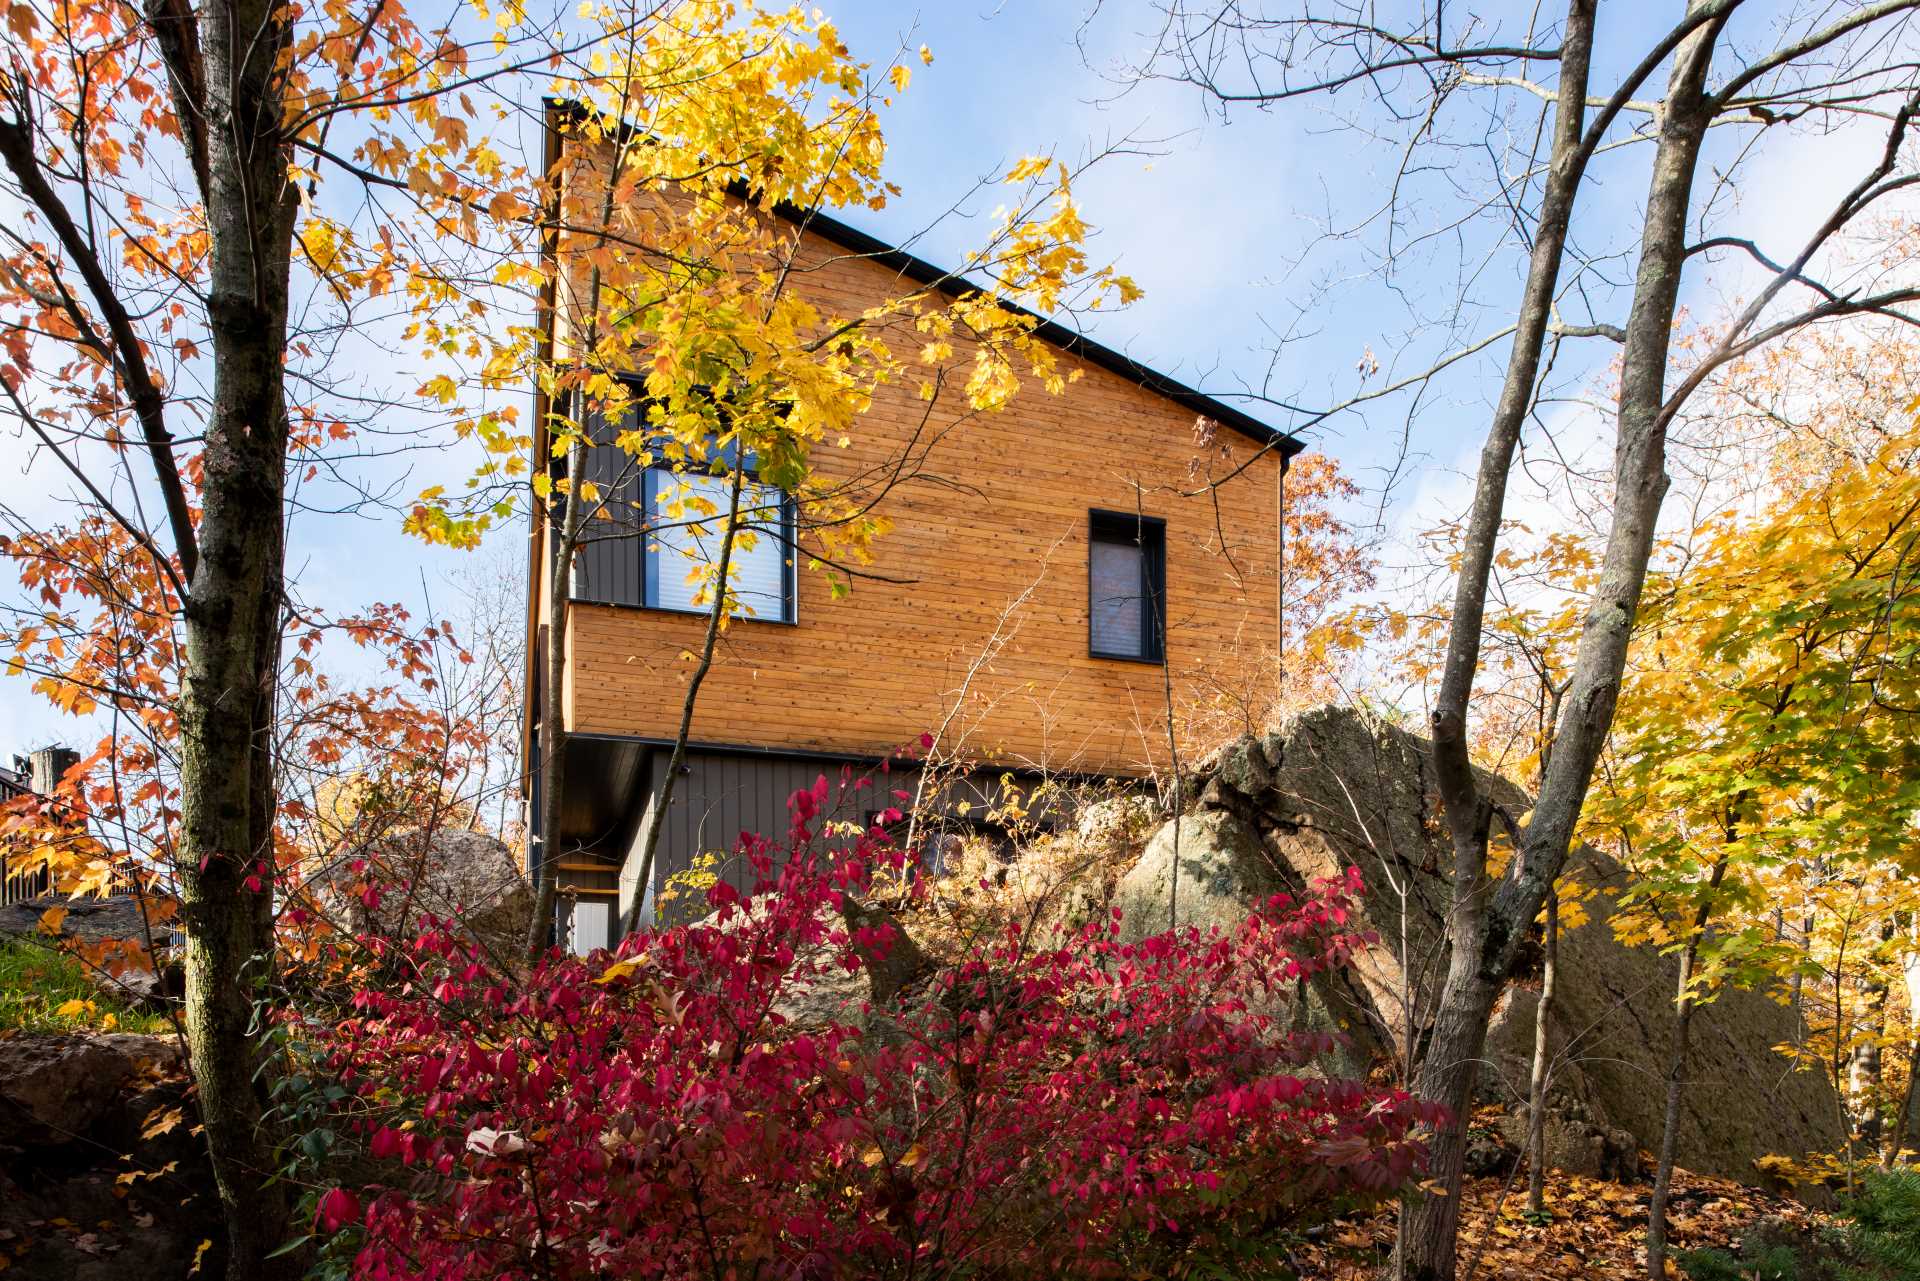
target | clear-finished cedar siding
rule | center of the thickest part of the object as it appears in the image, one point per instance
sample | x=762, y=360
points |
x=863, y=675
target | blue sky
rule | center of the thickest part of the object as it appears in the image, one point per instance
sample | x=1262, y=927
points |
x=1218, y=219
x=1223, y=225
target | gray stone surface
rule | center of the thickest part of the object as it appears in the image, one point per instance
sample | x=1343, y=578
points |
x=76, y=1117
x=1221, y=870
x=451, y=874
x=88, y=920
x=1118, y=820
x=55, y=1090
x=1333, y=788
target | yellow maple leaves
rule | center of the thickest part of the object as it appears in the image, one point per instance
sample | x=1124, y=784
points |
x=692, y=147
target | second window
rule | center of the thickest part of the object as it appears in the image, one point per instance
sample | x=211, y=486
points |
x=1126, y=587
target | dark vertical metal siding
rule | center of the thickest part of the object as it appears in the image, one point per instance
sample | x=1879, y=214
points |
x=723, y=795
x=612, y=551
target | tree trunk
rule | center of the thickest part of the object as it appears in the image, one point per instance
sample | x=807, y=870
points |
x=553, y=725
x=1488, y=922
x=1429, y=1224
x=1897, y=1145
x=657, y=821
x=1910, y=973
x=1670, y=1124
x=233, y=627
x=1797, y=996
x=1864, y=1071
x=1677, y=1072
x=1537, y=1086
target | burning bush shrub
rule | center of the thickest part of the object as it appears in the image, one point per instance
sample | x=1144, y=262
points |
x=1091, y=1109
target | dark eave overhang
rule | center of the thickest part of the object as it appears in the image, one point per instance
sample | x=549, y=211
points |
x=922, y=272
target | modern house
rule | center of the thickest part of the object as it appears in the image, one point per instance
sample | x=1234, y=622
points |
x=1061, y=584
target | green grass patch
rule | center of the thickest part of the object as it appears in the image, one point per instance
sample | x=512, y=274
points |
x=42, y=990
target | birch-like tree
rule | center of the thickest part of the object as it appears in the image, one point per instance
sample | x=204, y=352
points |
x=1445, y=83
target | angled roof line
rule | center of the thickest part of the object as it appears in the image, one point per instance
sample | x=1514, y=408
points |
x=1071, y=341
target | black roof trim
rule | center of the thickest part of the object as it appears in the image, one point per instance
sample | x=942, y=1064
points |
x=893, y=760
x=920, y=271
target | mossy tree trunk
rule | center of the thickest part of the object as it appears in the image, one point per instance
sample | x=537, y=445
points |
x=233, y=616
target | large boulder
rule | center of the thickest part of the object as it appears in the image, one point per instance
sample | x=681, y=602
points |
x=1205, y=870
x=89, y=921
x=1199, y=869
x=470, y=879
x=60, y=1089
x=1334, y=788
x=53, y=1090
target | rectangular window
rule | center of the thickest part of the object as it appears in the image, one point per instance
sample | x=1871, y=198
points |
x=1126, y=587
x=688, y=514
x=654, y=533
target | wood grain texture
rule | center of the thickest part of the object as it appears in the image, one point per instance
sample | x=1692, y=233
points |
x=998, y=509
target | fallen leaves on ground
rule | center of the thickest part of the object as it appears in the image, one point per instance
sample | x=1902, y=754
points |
x=1596, y=1232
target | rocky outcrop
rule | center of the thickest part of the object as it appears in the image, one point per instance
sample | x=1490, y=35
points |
x=450, y=874
x=87, y=921
x=1220, y=869
x=56, y=1089
x=102, y=1172
x=1333, y=789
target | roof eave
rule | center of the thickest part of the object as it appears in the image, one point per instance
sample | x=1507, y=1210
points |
x=954, y=285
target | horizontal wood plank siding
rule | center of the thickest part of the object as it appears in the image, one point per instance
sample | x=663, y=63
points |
x=1003, y=511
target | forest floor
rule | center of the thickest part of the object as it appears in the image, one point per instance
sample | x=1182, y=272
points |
x=1597, y=1230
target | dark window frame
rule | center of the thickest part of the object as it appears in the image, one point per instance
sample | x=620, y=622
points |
x=789, y=568
x=647, y=550
x=1149, y=534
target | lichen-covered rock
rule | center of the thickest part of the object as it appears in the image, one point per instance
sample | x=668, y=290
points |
x=54, y=1088
x=1116, y=823
x=1221, y=870
x=468, y=878
x=1237, y=768
x=140, y=988
x=1342, y=789
x=118, y=919
x=82, y=1111
x=1575, y=1143
x=57, y=1090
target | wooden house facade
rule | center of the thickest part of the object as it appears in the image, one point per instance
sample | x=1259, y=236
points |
x=1062, y=581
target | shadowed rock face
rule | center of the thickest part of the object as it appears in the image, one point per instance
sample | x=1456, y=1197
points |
x=103, y=1173
x=1333, y=789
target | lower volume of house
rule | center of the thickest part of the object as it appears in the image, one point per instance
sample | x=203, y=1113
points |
x=723, y=798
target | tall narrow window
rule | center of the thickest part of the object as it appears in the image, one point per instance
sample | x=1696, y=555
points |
x=688, y=513
x=653, y=535
x=1126, y=587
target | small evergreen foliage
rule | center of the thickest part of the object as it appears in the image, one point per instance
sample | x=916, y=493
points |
x=1883, y=1230
x=1753, y=1263
x=1877, y=1240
